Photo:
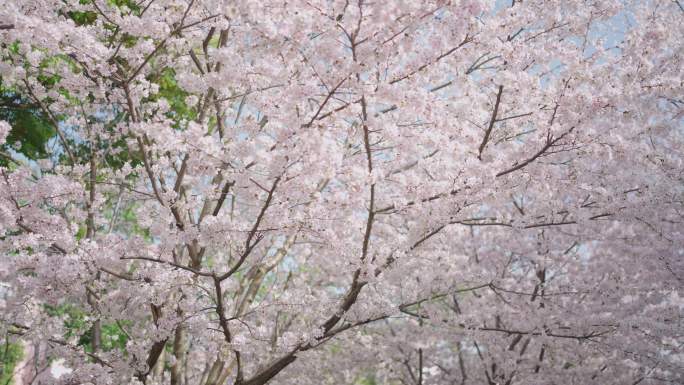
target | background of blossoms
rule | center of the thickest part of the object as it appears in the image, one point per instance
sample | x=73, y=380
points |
x=221, y=192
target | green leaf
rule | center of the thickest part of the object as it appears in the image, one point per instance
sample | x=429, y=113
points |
x=30, y=129
x=10, y=355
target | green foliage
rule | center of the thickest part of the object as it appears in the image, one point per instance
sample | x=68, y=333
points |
x=120, y=156
x=174, y=95
x=113, y=336
x=129, y=219
x=116, y=152
x=74, y=318
x=81, y=233
x=367, y=380
x=10, y=354
x=89, y=17
x=130, y=4
x=83, y=17
x=74, y=322
x=30, y=128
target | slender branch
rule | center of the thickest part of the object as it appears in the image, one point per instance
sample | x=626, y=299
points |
x=465, y=41
x=549, y=143
x=272, y=370
x=90, y=222
x=423, y=200
x=99, y=10
x=148, y=170
x=162, y=43
x=222, y=197
x=514, y=116
x=553, y=27
x=477, y=64
x=190, y=269
x=479, y=222
x=249, y=92
x=369, y=160
x=250, y=242
x=325, y=102
x=420, y=366
x=181, y=174
x=147, y=59
x=442, y=295
x=547, y=332
x=349, y=300
x=117, y=275
x=681, y=7
x=53, y=120
x=491, y=123
x=220, y=310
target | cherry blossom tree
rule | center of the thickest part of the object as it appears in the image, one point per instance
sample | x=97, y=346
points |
x=345, y=192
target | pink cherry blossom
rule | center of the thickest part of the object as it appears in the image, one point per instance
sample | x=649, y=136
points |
x=342, y=192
